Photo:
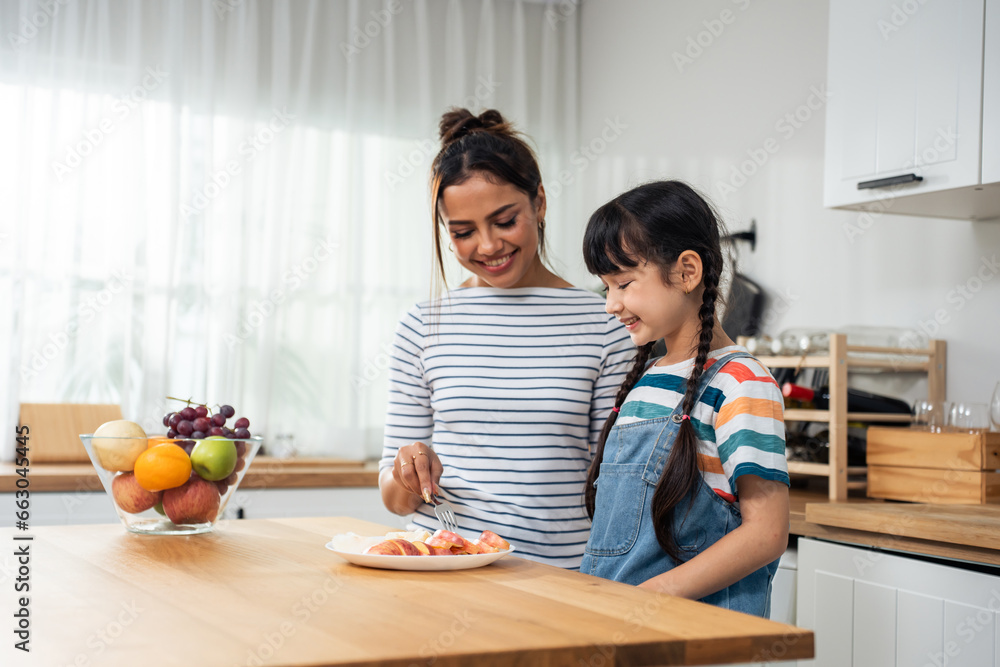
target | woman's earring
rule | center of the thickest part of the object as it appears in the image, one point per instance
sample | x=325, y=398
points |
x=450, y=248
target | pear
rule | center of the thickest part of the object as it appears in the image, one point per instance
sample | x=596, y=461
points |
x=117, y=444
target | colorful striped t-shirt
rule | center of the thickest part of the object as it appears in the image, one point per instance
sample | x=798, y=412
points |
x=739, y=419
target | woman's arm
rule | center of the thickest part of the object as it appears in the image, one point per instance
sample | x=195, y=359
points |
x=761, y=538
x=616, y=358
x=409, y=422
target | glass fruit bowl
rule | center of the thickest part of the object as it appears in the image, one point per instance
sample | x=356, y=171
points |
x=164, y=486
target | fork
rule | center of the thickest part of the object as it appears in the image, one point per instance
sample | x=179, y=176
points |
x=445, y=514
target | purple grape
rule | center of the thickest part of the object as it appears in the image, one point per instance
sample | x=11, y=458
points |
x=185, y=428
x=188, y=445
x=240, y=464
x=189, y=414
x=241, y=433
x=227, y=411
x=242, y=422
x=232, y=479
x=241, y=449
x=201, y=424
x=215, y=430
x=223, y=486
x=175, y=419
x=219, y=419
x=228, y=432
x=166, y=418
x=198, y=435
x=171, y=433
x=201, y=411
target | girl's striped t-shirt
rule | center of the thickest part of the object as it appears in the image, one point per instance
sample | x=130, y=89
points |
x=511, y=387
x=739, y=419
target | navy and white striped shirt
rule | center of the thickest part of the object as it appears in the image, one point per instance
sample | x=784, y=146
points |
x=511, y=387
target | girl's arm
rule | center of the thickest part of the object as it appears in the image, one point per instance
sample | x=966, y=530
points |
x=761, y=538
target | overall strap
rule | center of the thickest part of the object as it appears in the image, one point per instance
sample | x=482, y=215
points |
x=658, y=456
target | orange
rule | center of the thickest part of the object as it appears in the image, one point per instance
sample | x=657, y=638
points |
x=162, y=467
x=154, y=440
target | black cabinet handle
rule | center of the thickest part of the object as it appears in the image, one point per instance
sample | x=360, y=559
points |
x=892, y=180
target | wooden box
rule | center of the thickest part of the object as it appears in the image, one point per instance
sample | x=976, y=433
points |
x=55, y=428
x=938, y=468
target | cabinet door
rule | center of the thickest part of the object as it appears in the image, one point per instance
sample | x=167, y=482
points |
x=991, y=94
x=905, y=97
x=871, y=608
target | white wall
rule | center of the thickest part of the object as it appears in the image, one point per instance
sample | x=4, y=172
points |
x=697, y=120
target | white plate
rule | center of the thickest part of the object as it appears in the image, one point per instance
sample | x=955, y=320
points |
x=419, y=563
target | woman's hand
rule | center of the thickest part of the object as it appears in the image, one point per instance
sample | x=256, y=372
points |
x=417, y=469
x=413, y=478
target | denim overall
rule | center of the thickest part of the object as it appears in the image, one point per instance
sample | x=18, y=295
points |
x=623, y=544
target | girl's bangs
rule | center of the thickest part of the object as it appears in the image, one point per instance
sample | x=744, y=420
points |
x=610, y=235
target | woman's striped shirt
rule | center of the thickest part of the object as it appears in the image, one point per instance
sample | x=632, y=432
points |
x=511, y=387
x=739, y=419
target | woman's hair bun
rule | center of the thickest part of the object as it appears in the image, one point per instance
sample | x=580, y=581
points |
x=456, y=123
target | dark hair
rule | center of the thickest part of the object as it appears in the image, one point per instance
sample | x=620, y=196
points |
x=486, y=145
x=656, y=222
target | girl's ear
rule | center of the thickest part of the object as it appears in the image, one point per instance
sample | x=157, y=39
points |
x=690, y=268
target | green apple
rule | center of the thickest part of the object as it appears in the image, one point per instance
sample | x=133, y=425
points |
x=214, y=458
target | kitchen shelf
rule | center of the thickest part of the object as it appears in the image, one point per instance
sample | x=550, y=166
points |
x=841, y=357
x=795, y=415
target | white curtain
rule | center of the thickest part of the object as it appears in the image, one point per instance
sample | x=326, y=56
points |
x=227, y=200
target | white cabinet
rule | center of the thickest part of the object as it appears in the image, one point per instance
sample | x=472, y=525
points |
x=991, y=94
x=910, y=118
x=868, y=607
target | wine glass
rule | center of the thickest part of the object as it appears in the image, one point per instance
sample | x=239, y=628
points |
x=969, y=418
x=995, y=408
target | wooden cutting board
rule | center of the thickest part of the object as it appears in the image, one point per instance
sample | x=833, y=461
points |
x=974, y=526
x=55, y=428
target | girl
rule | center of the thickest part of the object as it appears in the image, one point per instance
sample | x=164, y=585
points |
x=498, y=391
x=688, y=490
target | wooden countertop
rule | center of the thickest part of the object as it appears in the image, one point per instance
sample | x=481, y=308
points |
x=907, y=527
x=264, y=473
x=960, y=532
x=267, y=592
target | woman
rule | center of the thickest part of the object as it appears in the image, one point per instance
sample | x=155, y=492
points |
x=498, y=391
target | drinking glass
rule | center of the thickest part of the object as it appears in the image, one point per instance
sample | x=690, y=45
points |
x=929, y=416
x=995, y=408
x=969, y=418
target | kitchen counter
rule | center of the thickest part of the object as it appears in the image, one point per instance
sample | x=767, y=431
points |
x=264, y=473
x=935, y=530
x=961, y=532
x=267, y=592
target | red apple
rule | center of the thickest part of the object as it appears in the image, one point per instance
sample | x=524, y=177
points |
x=485, y=548
x=494, y=540
x=446, y=539
x=395, y=547
x=131, y=497
x=422, y=548
x=467, y=548
x=440, y=551
x=196, y=501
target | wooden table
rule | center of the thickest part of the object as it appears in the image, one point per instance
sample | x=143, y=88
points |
x=267, y=592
